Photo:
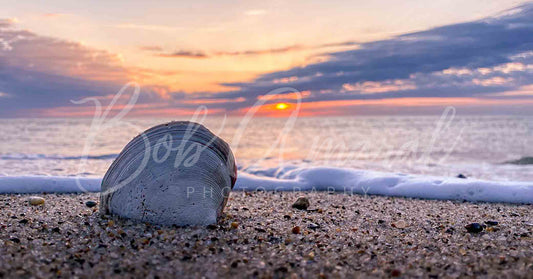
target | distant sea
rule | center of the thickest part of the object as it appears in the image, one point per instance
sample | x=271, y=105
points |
x=474, y=146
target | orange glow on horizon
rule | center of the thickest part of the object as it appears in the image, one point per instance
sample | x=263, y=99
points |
x=320, y=108
x=338, y=107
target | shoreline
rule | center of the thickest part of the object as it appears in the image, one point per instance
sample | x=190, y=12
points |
x=319, y=179
x=373, y=236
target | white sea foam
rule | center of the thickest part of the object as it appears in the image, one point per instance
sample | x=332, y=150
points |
x=348, y=181
x=22, y=156
x=48, y=184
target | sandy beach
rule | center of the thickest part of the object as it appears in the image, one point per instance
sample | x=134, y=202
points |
x=262, y=236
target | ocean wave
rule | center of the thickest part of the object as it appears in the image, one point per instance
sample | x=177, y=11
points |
x=20, y=156
x=348, y=181
x=522, y=161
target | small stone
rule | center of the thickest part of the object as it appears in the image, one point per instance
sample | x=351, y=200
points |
x=461, y=176
x=212, y=227
x=36, y=200
x=301, y=203
x=474, y=228
x=234, y=225
x=399, y=224
x=235, y=264
x=313, y=226
x=395, y=273
x=15, y=239
x=90, y=204
x=296, y=230
x=491, y=223
x=110, y=223
x=274, y=240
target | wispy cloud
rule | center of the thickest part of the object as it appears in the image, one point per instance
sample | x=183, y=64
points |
x=43, y=72
x=184, y=54
x=7, y=22
x=280, y=50
x=151, y=48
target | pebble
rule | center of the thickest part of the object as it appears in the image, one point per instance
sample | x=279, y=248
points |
x=36, y=200
x=313, y=226
x=15, y=239
x=461, y=176
x=301, y=203
x=491, y=223
x=474, y=228
x=395, y=273
x=90, y=204
x=234, y=225
x=212, y=227
x=296, y=230
x=399, y=224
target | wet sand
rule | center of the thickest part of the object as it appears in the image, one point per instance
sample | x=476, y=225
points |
x=263, y=236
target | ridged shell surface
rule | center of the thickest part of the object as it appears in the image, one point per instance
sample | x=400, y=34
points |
x=177, y=173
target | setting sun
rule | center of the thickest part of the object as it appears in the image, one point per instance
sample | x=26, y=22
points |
x=281, y=106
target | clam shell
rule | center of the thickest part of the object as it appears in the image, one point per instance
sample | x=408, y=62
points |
x=177, y=173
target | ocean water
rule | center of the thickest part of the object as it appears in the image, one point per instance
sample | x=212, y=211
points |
x=447, y=145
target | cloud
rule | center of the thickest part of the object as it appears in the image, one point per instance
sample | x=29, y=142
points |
x=185, y=54
x=40, y=76
x=472, y=59
x=151, y=48
x=370, y=87
x=280, y=50
x=201, y=54
x=38, y=72
x=7, y=22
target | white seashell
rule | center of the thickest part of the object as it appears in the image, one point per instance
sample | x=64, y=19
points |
x=177, y=173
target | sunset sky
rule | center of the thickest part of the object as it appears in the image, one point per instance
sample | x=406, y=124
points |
x=343, y=57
